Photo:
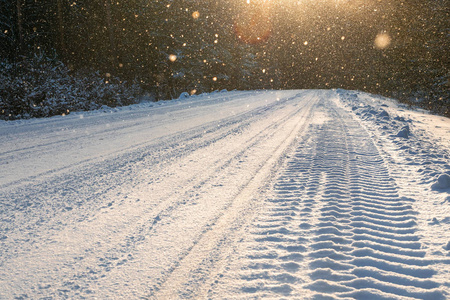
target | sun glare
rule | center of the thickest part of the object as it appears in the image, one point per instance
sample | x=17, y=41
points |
x=253, y=24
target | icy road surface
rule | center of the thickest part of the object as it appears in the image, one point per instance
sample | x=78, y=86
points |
x=308, y=194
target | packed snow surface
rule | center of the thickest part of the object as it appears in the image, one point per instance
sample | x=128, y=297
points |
x=306, y=194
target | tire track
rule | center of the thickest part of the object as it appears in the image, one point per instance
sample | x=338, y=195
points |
x=134, y=123
x=336, y=226
x=197, y=267
x=163, y=147
x=196, y=186
x=111, y=180
x=156, y=155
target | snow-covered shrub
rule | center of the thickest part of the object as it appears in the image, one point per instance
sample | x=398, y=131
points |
x=41, y=87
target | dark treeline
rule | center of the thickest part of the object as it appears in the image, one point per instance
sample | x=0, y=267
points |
x=101, y=49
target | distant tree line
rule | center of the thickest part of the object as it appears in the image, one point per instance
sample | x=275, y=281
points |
x=120, y=49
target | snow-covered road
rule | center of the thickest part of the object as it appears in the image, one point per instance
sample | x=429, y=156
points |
x=307, y=194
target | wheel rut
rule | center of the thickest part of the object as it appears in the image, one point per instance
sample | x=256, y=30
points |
x=192, y=276
x=334, y=227
x=136, y=195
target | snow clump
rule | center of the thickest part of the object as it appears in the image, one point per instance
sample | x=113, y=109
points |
x=184, y=95
x=443, y=182
x=404, y=132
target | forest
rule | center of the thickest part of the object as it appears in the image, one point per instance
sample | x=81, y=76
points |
x=60, y=56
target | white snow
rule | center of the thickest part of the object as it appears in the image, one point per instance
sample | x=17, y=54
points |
x=302, y=194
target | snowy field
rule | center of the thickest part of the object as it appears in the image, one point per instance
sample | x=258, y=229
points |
x=306, y=194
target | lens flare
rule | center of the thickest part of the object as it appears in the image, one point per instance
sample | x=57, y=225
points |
x=254, y=24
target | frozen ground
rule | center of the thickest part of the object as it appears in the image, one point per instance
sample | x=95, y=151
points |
x=308, y=194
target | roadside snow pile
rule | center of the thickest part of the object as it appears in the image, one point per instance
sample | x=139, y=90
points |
x=394, y=126
x=413, y=144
